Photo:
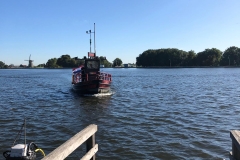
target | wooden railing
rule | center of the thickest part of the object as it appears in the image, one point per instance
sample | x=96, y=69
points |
x=87, y=134
x=235, y=153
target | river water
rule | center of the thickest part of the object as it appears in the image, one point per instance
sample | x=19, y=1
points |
x=153, y=114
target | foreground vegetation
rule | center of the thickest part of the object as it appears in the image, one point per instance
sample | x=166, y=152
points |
x=176, y=57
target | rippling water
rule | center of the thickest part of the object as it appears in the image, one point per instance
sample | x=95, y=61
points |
x=153, y=113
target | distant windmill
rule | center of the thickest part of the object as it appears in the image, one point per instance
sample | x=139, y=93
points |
x=30, y=64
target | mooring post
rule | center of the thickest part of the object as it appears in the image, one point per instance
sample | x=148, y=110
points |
x=235, y=136
x=90, y=143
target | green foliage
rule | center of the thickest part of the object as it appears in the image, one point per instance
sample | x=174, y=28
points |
x=117, y=62
x=2, y=64
x=41, y=65
x=66, y=61
x=175, y=57
x=77, y=62
x=191, y=59
x=209, y=57
x=164, y=57
x=105, y=62
x=52, y=63
x=231, y=57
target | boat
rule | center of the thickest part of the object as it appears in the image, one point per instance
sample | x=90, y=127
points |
x=22, y=151
x=87, y=78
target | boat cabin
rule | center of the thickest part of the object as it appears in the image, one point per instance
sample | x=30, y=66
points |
x=91, y=69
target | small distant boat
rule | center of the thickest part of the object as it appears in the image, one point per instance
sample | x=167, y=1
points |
x=88, y=79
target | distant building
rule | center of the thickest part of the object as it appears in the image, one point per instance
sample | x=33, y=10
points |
x=23, y=66
x=11, y=66
x=128, y=65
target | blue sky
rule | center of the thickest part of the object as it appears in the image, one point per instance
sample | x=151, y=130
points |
x=124, y=28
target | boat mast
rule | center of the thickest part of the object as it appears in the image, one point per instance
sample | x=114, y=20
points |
x=90, y=41
x=94, y=41
x=89, y=32
x=25, y=131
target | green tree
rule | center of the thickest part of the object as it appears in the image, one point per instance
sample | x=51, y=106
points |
x=231, y=57
x=190, y=60
x=52, y=63
x=105, y=62
x=77, y=63
x=117, y=62
x=209, y=57
x=41, y=65
x=162, y=57
x=64, y=61
x=2, y=64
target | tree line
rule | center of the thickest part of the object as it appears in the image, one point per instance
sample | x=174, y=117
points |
x=3, y=65
x=176, y=57
x=159, y=58
x=65, y=61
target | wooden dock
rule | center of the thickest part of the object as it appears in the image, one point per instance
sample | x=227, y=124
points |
x=86, y=135
x=235, y=153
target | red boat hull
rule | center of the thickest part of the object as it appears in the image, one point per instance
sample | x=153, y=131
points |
x=92, y=87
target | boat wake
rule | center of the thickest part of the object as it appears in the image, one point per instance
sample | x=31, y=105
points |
x=99, y=94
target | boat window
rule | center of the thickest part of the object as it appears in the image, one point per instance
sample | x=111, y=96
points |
x=92, y=65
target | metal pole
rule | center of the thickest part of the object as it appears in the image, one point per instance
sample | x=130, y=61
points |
x=90, y=40
x=94, y=41
x=25, y=130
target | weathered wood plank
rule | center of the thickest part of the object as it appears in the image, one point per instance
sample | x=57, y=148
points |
x=73, y=143
x=235, y=136
x=231, y=156
x=90, y=153
x=90, y=143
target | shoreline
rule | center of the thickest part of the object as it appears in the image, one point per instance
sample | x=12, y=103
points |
x=151, y=67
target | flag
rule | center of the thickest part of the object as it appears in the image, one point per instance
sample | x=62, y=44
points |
x=76, y=70
x=90, y=54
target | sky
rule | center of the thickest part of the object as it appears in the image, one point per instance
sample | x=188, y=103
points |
x=124, y=29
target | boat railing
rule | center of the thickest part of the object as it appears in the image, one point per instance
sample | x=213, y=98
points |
x=105, y=76
x=86, y=135
x=79, y=77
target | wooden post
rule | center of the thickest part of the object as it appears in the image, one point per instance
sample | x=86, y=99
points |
x=235, y=136
x=73, y=143
x=90, y=143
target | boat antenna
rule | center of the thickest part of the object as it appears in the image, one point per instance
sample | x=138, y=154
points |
x=89, y=32
x=94, y=41
x=20, y=132
x=25, y=130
